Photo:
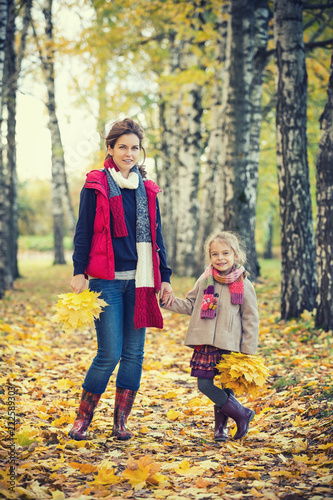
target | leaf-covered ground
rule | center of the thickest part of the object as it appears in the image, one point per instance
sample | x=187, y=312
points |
x=287, y=454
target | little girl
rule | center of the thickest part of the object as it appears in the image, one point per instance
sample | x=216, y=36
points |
x=224, y=319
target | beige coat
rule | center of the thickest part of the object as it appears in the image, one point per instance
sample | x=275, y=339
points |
x=234, y=328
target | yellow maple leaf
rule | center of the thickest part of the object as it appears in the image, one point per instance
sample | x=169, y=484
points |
x=137, y=477
x=297, y=422
x=195, y=402
x=65, y=419
x=65, y=383
x=325, y=446
x=151, y=365
x=84, y=468
x=142, y=472
x=173, y=414
x=184, y=469
x=105, y=476
x=169, y=395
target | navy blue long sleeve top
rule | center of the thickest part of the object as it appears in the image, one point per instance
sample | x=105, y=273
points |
x=125, y=255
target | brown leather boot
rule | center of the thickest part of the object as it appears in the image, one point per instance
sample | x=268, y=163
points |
x=241, y=415
x=84, y=415
x=122, y=408
x=221, y=429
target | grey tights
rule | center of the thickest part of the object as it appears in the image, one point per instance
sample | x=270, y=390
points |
x=218, y=396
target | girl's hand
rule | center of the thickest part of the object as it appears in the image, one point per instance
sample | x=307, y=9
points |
x=167, y=297
x=78, y=283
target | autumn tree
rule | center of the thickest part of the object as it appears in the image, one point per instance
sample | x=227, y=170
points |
x=60, y=192
x=13, y=51
x=239, y=180
x=11, y=76
x=190, y=139
x=261, y=18
x=13, y=63
x=213, y=172
x=324, y=234
x=3, y=225
x=298, y=280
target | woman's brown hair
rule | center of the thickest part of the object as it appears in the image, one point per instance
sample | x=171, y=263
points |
x=125, y=127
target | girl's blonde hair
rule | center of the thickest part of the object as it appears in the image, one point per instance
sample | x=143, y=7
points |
x=232, y=240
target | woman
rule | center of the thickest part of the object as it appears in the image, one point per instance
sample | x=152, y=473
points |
x=118, y=245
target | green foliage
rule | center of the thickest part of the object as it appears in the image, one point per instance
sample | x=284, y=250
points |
x=41, y=243
x=270, y=268
x=35, y=209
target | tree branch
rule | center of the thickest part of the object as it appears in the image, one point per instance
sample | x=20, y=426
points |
x=321, y=43
x=26, y=22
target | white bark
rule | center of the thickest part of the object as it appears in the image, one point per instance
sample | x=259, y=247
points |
x=298, y=286
x=188, y=177
x=261, y=14
x=169, y=160
x=213, y=169
x=239, y=192
x=10, y=102
x=60, y=191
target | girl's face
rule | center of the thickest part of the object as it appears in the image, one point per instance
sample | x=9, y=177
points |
x=125, y=153
x=222, y=257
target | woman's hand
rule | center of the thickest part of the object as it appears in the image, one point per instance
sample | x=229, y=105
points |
x=78, y=283
x=167, y=297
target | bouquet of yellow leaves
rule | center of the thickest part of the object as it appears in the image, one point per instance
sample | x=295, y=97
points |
x=77, y=311
x=244, y=374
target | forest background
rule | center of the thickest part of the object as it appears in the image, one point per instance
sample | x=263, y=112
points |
x=236, y=101
x=212, y=89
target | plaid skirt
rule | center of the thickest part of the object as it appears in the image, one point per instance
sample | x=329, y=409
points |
x=204, y=361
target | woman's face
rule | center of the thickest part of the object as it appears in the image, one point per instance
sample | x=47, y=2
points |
x=222, y=257
x=125, y=153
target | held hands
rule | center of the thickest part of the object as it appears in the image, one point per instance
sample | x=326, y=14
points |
x=167, y=296
x=78, y=283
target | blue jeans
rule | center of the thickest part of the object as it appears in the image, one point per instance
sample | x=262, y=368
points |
x=117, y=339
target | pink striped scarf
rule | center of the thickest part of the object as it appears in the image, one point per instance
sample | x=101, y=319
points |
x=235, y=280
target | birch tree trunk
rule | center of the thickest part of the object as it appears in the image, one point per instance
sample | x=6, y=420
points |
x=169, y=160
x=213, y=169
x=188, y=171
x=57, y=149
x=239, y=189
x=60, y=191
x=3, y=225
x=261, y=16
x=10, y=100
x=324, y=236
x=3, y=30
x=13, y=66
x=298, y=280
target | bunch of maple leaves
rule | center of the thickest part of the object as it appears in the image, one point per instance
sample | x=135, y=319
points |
x=287, y=453
x=77, y=311
x=242, y=373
